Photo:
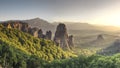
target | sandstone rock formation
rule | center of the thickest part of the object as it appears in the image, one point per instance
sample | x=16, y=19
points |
x=34, y=32
x=17, y=25
x=100, y=37
x=61, y=37
x=48, y=35
x=70, y=41
x=40, y=33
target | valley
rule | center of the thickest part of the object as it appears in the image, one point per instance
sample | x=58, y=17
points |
x=28, y=44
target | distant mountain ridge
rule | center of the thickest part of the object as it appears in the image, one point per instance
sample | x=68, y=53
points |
x=87, y=26
x=45, y=25
x=40, y=23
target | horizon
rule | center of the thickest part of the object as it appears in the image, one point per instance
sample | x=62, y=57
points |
x=102, y=12
x=65, y=22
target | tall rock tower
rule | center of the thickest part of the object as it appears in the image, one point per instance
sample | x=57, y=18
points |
x=70, y=41
x=61, y=37
x=48, y=35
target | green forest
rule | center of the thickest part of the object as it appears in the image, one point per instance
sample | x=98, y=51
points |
x=17, y=48
x=22, y=50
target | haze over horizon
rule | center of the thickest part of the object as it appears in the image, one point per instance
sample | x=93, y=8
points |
x=103, y=12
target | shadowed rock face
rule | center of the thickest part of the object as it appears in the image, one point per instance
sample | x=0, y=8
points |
x=20, y=25
x=117, y=42
x=61, y=37
x=40, y=33
x=70, y=41
x=100, y=37
x=48, y=35
x=111, y=50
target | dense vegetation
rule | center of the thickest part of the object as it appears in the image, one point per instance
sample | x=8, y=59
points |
x=19, y=49
x=94, y=61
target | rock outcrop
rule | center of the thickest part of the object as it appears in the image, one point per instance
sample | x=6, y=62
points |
x=48, y=35
x=61, y=37
x=33, y=31
x=40, y=33
x=23, y=26
x=70, y=41
x=100, y=37
x=20, y=25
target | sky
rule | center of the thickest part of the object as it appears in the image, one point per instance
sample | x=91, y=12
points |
x=103, y=12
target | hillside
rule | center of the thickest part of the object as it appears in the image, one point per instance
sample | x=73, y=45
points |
x=114, y=48
x=40, y=23
x=21, y=46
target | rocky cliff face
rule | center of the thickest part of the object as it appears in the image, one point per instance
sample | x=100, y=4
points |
x=17, y=25
x=70, y=41
x=48, y=35
x=33, y=31
x=23, y=26
x=61, y=37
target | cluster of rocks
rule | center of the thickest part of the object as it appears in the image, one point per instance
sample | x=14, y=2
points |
x=61, y=37
x=17, y=25
x=23, y=26
x=39, y=33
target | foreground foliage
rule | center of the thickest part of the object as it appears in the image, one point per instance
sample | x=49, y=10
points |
x=94, y=61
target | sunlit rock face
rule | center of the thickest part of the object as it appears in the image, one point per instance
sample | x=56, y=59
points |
x=20, y=25
x=61, y=37
x=34, y=32
x=23, y=26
